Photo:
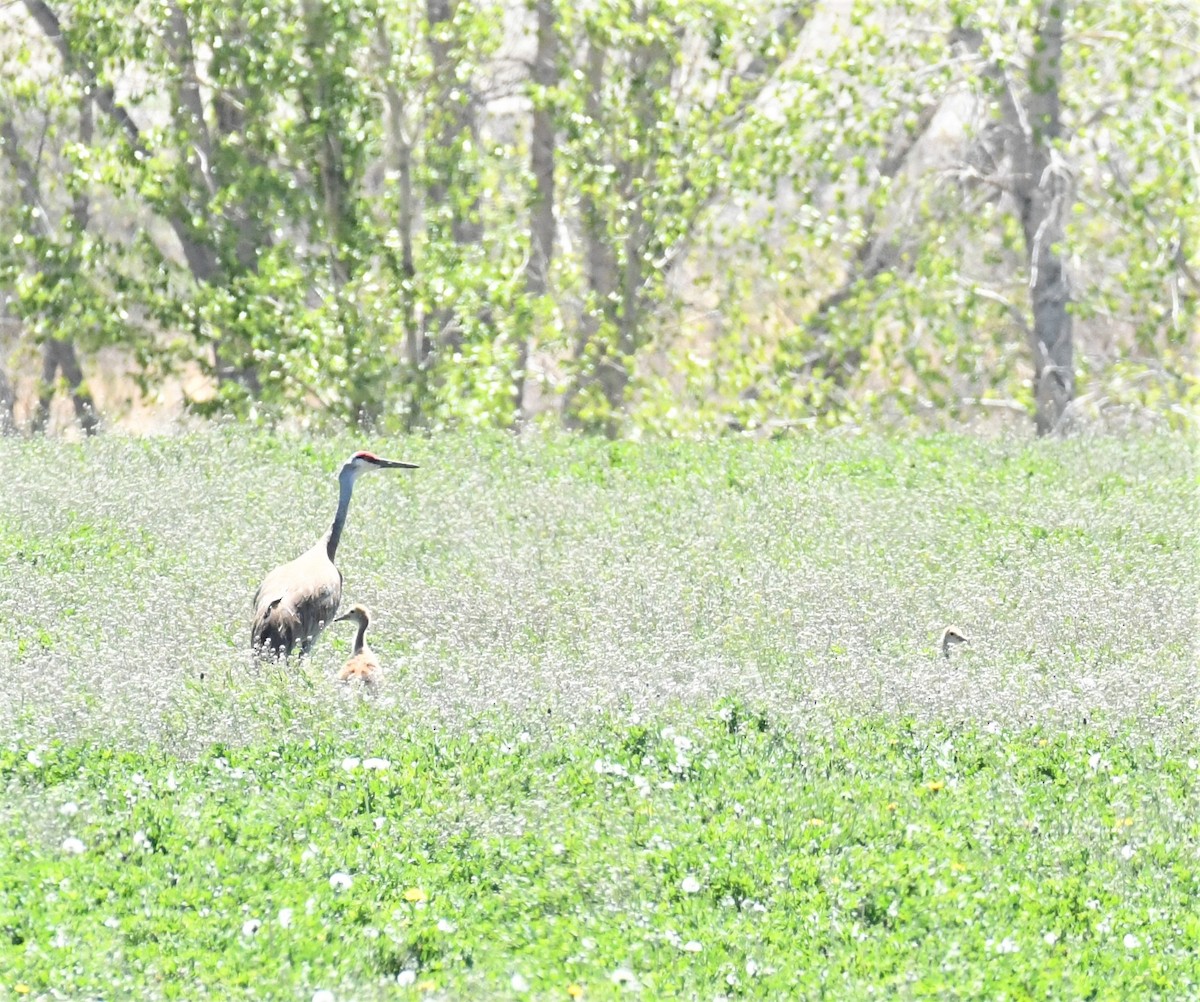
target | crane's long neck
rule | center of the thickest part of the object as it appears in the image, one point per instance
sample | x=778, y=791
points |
x=346, y=488
x=360, y=641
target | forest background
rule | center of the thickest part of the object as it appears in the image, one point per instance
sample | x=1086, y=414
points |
x=624, y=217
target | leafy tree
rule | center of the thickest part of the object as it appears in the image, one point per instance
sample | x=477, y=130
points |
x=635, y=214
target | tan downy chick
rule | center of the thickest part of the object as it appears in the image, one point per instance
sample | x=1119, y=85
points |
x=363, y=665
x=952, y=637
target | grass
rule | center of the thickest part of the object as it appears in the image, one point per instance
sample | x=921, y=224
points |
x=663, y=719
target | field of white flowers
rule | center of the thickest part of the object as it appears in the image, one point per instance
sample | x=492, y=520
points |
x=569, y=578
x=664, y=717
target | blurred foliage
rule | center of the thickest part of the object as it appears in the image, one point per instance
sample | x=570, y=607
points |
x=768, y=215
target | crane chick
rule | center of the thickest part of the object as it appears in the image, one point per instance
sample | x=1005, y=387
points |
x=363, y=665
x=297, y=600
x=952, y=637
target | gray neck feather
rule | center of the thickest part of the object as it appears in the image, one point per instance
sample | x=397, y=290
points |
x=346, y=485
x=360, y=641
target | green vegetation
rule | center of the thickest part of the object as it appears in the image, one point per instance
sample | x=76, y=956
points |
x=667, y=715
x=716, y=856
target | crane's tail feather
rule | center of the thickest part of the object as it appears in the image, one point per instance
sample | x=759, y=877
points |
x=276, y=632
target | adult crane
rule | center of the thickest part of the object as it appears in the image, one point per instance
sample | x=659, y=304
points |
x=297, y=600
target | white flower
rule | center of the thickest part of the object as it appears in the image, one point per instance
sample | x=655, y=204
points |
x=691, y=946
x=1127, y=852
x=558, y=848
x=112, y=923
x=33, y=758
x=70, y=808
x=446, y=926
x=140, y=841
x=350, y=763
x=73, y=846
x=1050, y=938
x=379, y=823
x=376, y=764
x=1131, y=941
x=285, y=918
x=171, y=784
x=250, y=927
x=1008, y=945
x=323, y=995
x=340, y=881
x=519, y=984
x=624, y=976
x=406, y=977
x=689, y=884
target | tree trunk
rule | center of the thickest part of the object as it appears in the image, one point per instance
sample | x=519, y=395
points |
x=400, y=160
x=541, y=163
x=452, y=189
x=600, y=270
x=1042, y=187
x=1045, y=194
x=331, y=162
x=57, y=353
x=7, y=399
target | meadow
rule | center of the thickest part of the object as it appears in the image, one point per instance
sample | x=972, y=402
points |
x=663, y=719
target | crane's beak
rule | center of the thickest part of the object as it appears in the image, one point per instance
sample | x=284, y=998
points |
x=392, y=464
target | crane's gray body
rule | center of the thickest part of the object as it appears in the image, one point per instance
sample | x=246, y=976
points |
x=297, y=600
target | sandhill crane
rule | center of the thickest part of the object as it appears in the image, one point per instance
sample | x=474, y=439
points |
x=363, y=665
x=952, y=637
x=297, y=600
